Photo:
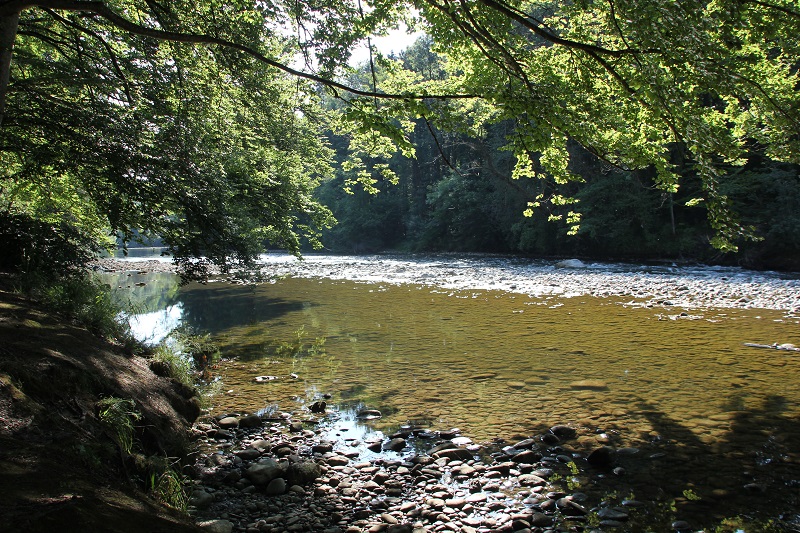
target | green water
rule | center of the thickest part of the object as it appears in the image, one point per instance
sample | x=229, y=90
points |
x=496, y=364
x=499, y=365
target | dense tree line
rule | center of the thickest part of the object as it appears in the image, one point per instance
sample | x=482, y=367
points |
x=458, y=194
x=205, y=124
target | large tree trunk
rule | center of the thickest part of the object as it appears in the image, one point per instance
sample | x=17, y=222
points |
x=8, y=32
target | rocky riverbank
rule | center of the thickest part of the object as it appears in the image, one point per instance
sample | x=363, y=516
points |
x=687, y=287
x=286, y=474
x=276, y=475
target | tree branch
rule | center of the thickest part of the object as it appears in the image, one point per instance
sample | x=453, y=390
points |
x=551, y=37
x=102, y=10
x=768, y=5
x=109, y=50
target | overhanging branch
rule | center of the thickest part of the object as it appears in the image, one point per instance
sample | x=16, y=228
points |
x=102, y=10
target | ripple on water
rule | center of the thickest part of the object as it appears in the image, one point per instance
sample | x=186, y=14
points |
x=689, y=389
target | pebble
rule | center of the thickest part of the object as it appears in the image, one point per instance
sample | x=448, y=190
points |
x=277, y=479
x=689, y=288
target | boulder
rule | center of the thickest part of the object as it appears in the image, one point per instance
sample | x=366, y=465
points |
x=276, y=487
x=531, y=480
x=201, y=499
x=248, y=454
x=395, y=444
x=526, y=457
x=571, y=263
x=264, y=471
x=250, y=421
x=459, y=454
x=564, y=432
x=303, y=473
x=229, y=422
x=602, y=457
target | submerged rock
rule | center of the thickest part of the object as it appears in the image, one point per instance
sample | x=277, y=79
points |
x=602, y=457
x=369, y=414
x=589, y=384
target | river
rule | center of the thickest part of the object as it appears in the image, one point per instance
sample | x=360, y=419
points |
x=651, y=359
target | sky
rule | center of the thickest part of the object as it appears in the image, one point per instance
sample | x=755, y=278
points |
x=396, y=41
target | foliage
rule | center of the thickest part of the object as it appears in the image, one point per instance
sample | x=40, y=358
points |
x=188, y=354
x=167, y=485
x=196, y=146
x=81, y=297
x=48, y=247
x=459, y=218
x=195, y=122
x=459, y=194
x=119, y=416
x=179, y=366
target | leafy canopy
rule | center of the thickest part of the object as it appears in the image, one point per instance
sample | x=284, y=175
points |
x=199, y=122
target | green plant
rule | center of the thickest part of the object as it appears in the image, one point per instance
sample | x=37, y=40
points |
x=119, y=417
x=317, y=347
x=295, y=347
x=180, y=367
x=200, y=349
x=298, y=346
x=84, y=299
x=691, y=495
x=168, y=488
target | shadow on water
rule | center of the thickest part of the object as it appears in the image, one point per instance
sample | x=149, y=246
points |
x=217, y=308
x=751, y=471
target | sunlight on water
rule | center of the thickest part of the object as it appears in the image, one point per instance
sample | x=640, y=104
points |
x=705, y=410
x=153, y=327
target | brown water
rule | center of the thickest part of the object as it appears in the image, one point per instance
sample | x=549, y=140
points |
x=708, y=413
x=496, y=364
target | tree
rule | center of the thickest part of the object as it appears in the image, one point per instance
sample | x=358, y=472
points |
x=627, y=80
x=116, y=133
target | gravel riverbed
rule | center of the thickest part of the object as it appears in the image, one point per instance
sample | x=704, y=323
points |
x=279, y=474
x=689, y=287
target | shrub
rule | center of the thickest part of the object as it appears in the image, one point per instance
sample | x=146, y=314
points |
x=119, y=417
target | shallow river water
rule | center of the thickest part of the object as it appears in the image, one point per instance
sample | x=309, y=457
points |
x=674, y=385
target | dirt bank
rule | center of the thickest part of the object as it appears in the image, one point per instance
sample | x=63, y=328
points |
x=60, y=468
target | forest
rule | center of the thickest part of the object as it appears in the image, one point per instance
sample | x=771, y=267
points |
x=458, y=195
x=622, y=130
x=614, y=130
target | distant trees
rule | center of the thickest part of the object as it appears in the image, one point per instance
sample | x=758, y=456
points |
x=459, y=194
x=199, y=122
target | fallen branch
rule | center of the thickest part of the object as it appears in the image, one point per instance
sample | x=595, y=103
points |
x=775, y=346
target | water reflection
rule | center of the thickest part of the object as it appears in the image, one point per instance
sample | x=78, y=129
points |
x=707, y=414
x=218, y=307
x=153, y=327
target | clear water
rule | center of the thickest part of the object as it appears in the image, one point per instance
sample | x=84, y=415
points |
x=707, y=414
